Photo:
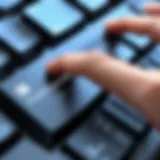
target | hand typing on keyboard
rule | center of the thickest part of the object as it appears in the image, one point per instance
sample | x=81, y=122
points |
x=138, y=87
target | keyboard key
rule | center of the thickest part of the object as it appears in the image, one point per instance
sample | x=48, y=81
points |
x=93, y=6
x=140, y=42
x=147, y=64
x=44, y=106
x=19, y=38
x=26, y=149
x=48, y=17
x=4, y=59
x=9, y=134
x=155, y=56
x=125, y=113
x=99, y=139
x=7, y=5
x=124, y=52
x=7, y=129
x=7, y=63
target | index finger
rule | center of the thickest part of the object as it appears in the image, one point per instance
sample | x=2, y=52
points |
x=131, y=24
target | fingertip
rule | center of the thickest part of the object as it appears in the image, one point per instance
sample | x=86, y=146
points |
x=50, y=66
x=152, y=7
x=111, y=25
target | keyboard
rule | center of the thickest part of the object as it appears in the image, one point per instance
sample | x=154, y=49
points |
x=69, y=118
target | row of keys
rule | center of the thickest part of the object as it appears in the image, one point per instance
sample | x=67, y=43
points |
x=44, y=106
x=26, y=149
x=99, y=139
x=22, y=34
x=125, y=114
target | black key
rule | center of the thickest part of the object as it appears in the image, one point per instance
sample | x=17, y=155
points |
x=99, y=139
x=18, y=37
x=45, y=108
x=26, y=149
x=8, y=133
x=125, y=114
x=54, y=18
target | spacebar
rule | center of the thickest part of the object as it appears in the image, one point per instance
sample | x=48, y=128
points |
x=45, y=110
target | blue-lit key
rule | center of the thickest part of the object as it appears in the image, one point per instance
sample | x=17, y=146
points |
x=26, y=149
x=4, y=60
x=7, y=129
x=93, y=5
x=54, y=18
x=124, y=52
x=141, y=42
x=155, y=56
x=6, y=63
x=19, y=37
x=6, y=5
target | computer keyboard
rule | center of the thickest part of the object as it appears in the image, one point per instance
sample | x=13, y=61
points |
x=68, y=118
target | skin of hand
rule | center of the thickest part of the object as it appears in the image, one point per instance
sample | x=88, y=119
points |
x=138, y=87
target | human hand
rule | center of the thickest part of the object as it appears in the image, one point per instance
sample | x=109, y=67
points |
x=140, y=88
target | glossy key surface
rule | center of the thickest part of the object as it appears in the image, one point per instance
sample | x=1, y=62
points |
x=54, y=18
x=26, y=149
x=17, y=36
x=99, y=138
x=44, y=105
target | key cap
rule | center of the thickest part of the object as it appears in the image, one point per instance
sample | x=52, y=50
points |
x=147, y=64
x=140, y=42
x=26, y=149
x=19, y=38
x=155, y=56
x=8, y=5
x=6, y=64
x=7, y=128
x=8, y=133
x=54, y=19
x=46, y=109
x=99, y=139
x=124, y=52
x=125, y=113
x=92, y=6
